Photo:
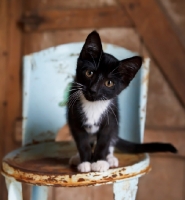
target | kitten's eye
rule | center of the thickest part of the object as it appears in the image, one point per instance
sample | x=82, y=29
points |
x=109, y=83
x=89, y=73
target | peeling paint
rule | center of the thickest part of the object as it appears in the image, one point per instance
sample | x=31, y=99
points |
x=47, y=164
x=145, y=79
x=14, y=189
x=33, y=64
x=74, y=54
x=125, y=190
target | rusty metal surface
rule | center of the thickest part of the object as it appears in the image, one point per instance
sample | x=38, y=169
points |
x=47, y=164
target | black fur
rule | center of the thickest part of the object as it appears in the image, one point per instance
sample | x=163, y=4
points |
x=105, y=67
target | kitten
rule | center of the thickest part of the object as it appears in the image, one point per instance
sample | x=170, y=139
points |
x=100, y=78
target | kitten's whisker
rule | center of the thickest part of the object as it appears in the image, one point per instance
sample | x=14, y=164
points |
x=77, y=83
x=75, y=89
x=73, y=94
x=107, y=114
x=73, y=99
x=99, y=59
x=71, y=102
x=79, y=86
x=114, y=115
x=107, y=111
x=93, y=60
x=109, y=61
x=116, y=73
x=108, y=117
x=112, y=110
x=114, y=70
x=105, y=98
x=113, y=105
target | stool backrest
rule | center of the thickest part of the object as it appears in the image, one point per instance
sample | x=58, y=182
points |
x=46, y=79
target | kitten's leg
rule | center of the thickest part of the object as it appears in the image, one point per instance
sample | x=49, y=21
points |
x=84, y=149
x=101, y=150
x=111, y=159
x=75, y=160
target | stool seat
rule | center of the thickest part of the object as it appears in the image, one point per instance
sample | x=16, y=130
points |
x=47, y=164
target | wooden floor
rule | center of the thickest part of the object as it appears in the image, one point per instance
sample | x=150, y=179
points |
x=23, y=30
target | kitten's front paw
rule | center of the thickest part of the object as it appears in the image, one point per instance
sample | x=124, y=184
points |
x=113, y=161
x=84, y=167
x=100, y=166
x=74, y=160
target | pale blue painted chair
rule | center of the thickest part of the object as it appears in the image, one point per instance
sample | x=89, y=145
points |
x=47, y=77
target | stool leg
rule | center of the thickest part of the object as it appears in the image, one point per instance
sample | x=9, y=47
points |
x=14, y=189
x=39, y=193
x=125, y=190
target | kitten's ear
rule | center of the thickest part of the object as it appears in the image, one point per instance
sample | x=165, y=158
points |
x=129, y=67
x=92, y=47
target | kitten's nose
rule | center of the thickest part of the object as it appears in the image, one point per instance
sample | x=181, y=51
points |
x=93, y=89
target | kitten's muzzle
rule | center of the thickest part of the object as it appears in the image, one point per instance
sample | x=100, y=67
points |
x=90, y=96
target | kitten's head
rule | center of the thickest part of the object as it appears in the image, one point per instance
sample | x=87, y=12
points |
x=101, y=74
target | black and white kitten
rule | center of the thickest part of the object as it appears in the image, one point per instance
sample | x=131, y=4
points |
x=93, y=108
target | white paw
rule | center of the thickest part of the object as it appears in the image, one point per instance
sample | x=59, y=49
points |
x=74, y=160
x=113, y=161
x=84, y=167
x=100, y=166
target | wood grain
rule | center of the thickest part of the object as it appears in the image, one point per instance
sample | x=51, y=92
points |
x=174, y=10
x=163, y=107
x=55, y=19
x=165, y=181
x=35, y=4
x=161, y=41
x=36, y=41
x=13, y=84
x=3, y=62
x=10, y=76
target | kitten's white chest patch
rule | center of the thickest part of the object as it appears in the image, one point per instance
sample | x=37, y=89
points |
x=93, y=112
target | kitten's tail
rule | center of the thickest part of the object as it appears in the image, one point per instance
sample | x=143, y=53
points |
x=130, y=147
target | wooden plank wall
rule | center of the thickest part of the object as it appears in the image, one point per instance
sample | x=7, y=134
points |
x=54, y=19
x=10, y=81
x=3, y=59
x=165, y=113
x=174, y=11
x=153, y=27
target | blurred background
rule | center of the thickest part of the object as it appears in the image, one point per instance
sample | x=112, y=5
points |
x=154, y=28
